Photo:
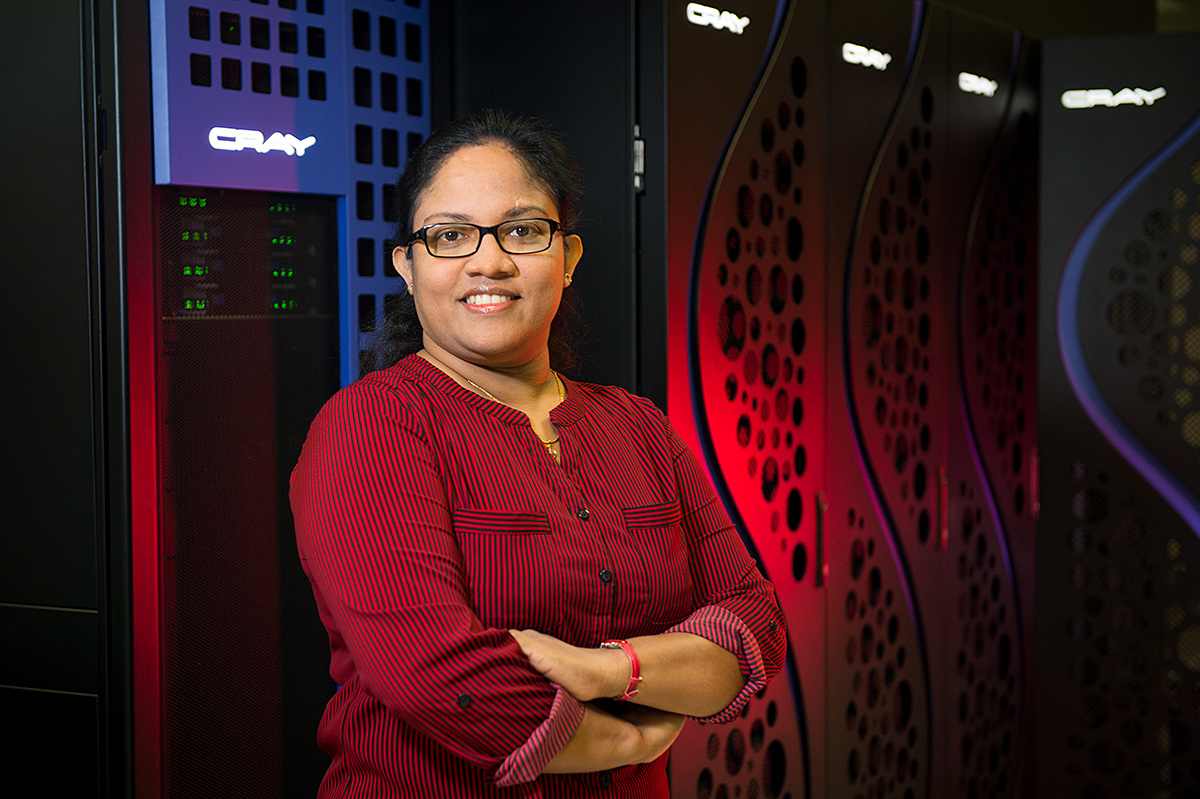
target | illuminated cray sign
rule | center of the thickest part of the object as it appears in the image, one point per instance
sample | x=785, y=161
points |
x=1090, y=98
x=715, y=18
x=237, y=139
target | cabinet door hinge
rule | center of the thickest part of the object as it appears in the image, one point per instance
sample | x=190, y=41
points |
x=639, y=160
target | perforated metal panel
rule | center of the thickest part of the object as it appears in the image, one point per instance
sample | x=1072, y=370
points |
x=387, y=83
x=1141, y=306
x=920, y=555
x=1133, y=610
x=756, y=345
x=990, y=519
x=885, y=423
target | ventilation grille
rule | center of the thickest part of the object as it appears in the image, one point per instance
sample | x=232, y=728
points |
x=248, y=327
x=1142, y=341
x=1131, y=643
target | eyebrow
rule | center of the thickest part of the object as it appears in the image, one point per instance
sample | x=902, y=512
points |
x=516, y=212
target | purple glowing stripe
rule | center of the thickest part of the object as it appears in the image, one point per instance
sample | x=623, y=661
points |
x=891, y=535
x=990, y=496
x=914, y=36
x=989, y=491
x=1179, y=496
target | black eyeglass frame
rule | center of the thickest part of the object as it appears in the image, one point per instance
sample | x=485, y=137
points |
x=420, y=235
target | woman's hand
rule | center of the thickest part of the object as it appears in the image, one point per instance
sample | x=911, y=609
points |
x=585, y=674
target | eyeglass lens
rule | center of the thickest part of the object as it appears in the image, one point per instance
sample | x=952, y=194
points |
x=517, y=237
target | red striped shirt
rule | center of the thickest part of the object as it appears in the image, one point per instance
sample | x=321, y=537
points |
x=430, y=520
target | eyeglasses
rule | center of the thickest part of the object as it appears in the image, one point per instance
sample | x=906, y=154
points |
x=460, y=239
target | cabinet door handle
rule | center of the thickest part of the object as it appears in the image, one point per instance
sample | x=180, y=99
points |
x=822, y=568
x=943, y=509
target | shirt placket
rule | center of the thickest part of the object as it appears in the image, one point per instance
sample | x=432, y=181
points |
x=592, y=544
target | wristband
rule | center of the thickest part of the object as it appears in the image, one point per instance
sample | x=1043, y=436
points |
x=635, y=668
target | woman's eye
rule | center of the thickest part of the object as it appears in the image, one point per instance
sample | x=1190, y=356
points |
x=449, y=236
x=524, y=230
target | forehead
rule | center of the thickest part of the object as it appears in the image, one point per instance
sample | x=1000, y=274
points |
x=480, y=182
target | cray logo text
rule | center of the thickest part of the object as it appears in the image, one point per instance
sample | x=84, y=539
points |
x=1090, y=98
x=976, y=84
x=721, y=20
x=857, y=54
x=235, y=139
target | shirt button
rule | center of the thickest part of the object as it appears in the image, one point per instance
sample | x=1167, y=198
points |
x=582, y=513
x=464, y=700
x=605, y=576
x=772, y=626
x=605, y=779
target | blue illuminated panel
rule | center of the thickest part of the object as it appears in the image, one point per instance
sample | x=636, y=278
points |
x=246, y=95
x=310, y=96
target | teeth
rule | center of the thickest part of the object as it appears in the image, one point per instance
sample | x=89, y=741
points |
x=487, y=299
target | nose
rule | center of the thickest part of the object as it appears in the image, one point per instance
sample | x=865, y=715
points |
x=491, y=261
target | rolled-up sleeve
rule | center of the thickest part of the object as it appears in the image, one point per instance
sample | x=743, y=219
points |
x=736, y=605
x=374, y=529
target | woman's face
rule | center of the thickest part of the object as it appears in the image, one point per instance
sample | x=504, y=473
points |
x=491, y=308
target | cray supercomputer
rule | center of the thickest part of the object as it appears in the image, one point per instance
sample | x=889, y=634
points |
x=821, y=241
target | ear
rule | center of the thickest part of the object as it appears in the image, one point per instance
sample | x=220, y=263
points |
x=403, y=264
x=572, y=252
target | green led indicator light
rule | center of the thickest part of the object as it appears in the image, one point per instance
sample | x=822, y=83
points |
x=284, y=305
x=284, y=273
x=195, y=235
x=193, y=202
x=195, y=305
x=283, y=240
x=282, y=208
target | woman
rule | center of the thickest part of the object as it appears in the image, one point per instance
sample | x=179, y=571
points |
x=528, y=582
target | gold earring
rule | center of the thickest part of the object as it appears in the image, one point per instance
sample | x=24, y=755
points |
x=567, y=280
x=410, y=290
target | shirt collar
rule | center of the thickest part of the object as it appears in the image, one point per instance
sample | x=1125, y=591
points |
x=565, y=413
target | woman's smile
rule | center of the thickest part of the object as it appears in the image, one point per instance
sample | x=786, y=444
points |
x=486, y=300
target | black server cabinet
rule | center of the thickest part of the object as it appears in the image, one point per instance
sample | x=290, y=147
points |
x=745, y=308
x=928, y=650
x=1119, y=353
x=64, y=599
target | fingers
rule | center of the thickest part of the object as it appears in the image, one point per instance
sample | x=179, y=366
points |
x=523, y=641
x=534, y=646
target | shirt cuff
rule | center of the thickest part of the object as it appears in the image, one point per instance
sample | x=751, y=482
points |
x=726, y=630
x=528, y=761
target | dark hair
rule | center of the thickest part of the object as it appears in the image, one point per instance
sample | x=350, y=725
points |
x=547, y=160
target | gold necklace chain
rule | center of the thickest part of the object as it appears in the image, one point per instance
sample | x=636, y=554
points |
x=551, y=445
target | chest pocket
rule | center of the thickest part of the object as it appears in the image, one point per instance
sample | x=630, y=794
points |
x=658, y=536
x=512, y=569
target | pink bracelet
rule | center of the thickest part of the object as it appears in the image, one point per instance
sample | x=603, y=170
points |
x=635, y=668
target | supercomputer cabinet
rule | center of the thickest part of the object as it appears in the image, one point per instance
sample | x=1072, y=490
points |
x=827, y=215
x=259, y=264
x=1119, y=370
